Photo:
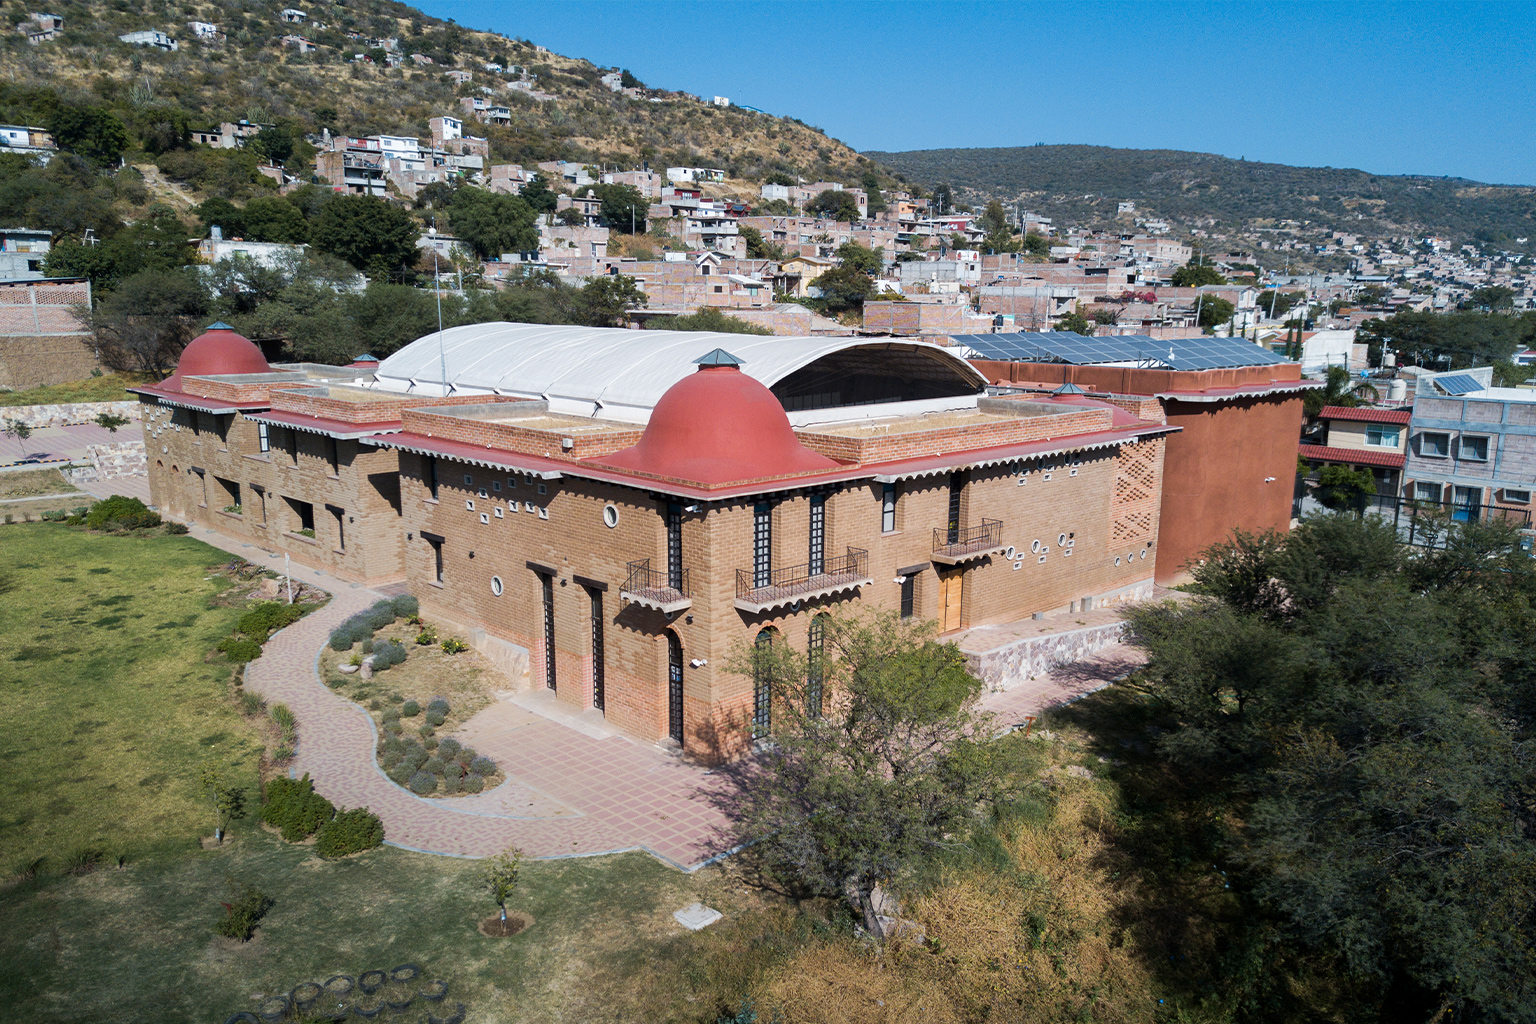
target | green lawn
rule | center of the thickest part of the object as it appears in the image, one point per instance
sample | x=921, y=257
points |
x=106, y=388
x=110, y=707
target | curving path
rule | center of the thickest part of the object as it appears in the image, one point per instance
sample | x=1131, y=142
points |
x=569, y=794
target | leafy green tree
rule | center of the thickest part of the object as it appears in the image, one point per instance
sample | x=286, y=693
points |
x=223, y=214
x=629, y=81
x=994, y=219
x=18, y=430
x=158, y=242
x=1276, y=306
x=757, y=247
x=1339, y=388
x=501, y=877
x=1355, y=712
x=1215, y=311
x=538, y=195
x=1037, y=245
x=367, y=232
x=94, y=133
x=1076, y=323
x=272, y=219
x=875, y=202
x=275, y=143
x=1195, y=275
x=68, y=196
x=1455, y=340
x=161, y=128
x=943, y=198
x=436, y=196
x=148, y=318
x=1342, y=488
x=843, y=290
x=779, y=178
x=875, y=761
x=624, y=207
x=707, y=318
x=493, y=222
x=606, y=301
x=860, y=257
x=1492, y=297
x=834, y=204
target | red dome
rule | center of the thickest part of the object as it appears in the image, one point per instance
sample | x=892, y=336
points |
x=718, y=426
x=217, y=351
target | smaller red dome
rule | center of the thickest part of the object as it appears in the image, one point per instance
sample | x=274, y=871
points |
x=219, y=350
x=718, y=426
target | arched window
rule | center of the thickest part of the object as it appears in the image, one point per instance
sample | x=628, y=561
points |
x=762, y=683
x=815, y=671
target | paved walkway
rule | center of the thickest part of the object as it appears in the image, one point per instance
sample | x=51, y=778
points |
x=573, y=788
x=53, y=445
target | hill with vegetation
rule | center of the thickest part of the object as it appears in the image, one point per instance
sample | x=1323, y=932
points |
x=1084, y=184
x=250, y=73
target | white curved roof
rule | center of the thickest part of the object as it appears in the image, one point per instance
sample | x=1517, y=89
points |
x=612, y=372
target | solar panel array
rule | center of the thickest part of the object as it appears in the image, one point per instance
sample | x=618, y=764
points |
x=1203, y=353
x=1459, y=384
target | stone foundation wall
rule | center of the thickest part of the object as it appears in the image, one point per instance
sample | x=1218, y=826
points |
x=1003, y=668
x=64, y=414
x=111, y=462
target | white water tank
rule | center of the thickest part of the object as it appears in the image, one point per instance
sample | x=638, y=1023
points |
x=1389, y=359
x=1397, y=390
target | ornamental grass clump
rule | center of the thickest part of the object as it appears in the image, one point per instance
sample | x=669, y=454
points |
x=423, y=784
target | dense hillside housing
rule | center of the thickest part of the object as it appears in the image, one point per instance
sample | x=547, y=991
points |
x=616, y=515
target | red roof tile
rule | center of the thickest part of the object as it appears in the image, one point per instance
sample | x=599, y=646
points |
x=1355, y=456
x=1364, y=414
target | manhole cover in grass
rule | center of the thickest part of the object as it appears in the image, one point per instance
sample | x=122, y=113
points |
x=496, y=928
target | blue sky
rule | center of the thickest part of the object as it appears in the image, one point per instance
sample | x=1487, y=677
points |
x=1392, y=88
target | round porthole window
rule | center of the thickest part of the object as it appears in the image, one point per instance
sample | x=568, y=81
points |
x=1117, y=559
x=1061, y=540
x=610, y=516
x=496, y=585
x=1008, y=554
x=1035, y=547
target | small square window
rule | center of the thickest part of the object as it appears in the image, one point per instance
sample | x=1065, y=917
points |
x=469, y=481
x=1434, y=445
x=511, y=483
x=499, y=514
x=1474, y=449
x=482, y=493
x=1426, y=492
x=1517, y=497
x=543, y=489
x=496, y=485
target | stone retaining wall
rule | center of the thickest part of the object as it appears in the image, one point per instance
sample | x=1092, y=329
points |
x=64, y=414
x=1003, y=668
x=111, y=462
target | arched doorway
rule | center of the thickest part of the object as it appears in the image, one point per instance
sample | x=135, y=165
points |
x=674, y=687
x=763, y=664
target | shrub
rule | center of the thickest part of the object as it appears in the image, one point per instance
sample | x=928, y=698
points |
x=435, y=718
x=415, y=757
x=421, y=783
x=439, y=705
x=380, y=615
x=387, y=654
x=425, y=731
x=430, y=742
x=367, y=647
x=433, y=766
x=466, y=755
x=473, y=783
x=295, y=809
x=282, y=754
x=406, y=606
x=453, y=645
x=57, y=515
x=349, y=832
x=391, y=715
x=401, y=773
x=410, y=709
x=452, y=770
x=388, y=759
x=452, y=784
x=120, y=513
x=241, y=916
x=449, y=747
x=268, y=617
x=240, y=650
x=175, y=529
x=483, y=766
x=251, y=704
x=393, y=727
x=427, y=637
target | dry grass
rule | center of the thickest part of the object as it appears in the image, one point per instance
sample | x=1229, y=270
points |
x=34, y=483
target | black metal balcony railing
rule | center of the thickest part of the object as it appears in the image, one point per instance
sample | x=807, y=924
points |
x=757, y=591
x=654, y=588
x=954, y=544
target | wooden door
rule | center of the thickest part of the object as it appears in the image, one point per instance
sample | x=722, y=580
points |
x=951, y=592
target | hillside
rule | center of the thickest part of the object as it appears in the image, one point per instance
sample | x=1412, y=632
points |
x=249, y=73
x=1083, y=184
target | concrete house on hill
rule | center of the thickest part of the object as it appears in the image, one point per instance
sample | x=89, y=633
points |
x=612, y=514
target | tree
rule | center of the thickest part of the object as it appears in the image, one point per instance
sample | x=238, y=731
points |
x=707, y=318
x=272, y=219
x=1195, y=275
x=218, y=212
x=757, y=247
x=147, y=320
x=110, y=422
x=18, y=430
x=624, y=207
x=1037, y=245
x=834, y=204
x=943, y=198
x=1361, y=709
x=779, y=178
x=368, y=232
x=1076, y=323
x=163, y=128
x=878, y=756
x=500, y=877
x=1214, y=311
x=1343, y=489
x=493, y=223
x=94, y=133
x=1276, y=306
x=875, y=201
x=538, y=195
x=843, y=289
x=1492, y=297
x=606, y=301
x=861, y=258
x=276, y=142
x=629, y=81
x=228, y=801
x=1339, y=388
x=994, y=219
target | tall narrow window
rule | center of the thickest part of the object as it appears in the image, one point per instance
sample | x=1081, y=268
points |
x=675, y=547
x=762, y=545
x=818, y=533
x=340, y=516
x=548, y=584
x=597, y=647
x=956, y=489
x=263, y=439
x=888, y=508
x=674, y=687
x=908, y=594
x=333, y=455
x=431, y=475
x=762, y=685
x=815, y=673
x=437, y=557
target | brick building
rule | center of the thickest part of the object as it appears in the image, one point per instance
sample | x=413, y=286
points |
x=1239, y=407
x=624, y=512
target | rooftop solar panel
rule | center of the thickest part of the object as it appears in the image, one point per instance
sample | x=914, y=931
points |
x=1203, y=353
x=1459, y=384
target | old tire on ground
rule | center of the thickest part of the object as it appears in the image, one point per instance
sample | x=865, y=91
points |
x=405, y=972
x=372, y=981
x=243, y=1017
x=340, y=985
x=434, y=991
x=274, y=1009
x=304, y=995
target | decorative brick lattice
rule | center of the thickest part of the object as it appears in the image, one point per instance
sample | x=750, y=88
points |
x=1134, y=509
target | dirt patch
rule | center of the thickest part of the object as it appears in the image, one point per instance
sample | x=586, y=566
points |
x=494, y=927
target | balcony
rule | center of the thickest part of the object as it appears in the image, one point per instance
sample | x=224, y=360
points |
x=793, y=583
x=651, y=588
x=951, y=547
